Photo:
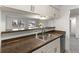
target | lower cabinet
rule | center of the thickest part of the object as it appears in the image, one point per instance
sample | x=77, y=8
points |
x=52, y=47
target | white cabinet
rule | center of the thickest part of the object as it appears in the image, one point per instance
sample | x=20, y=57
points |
x=44, y=10
x=51, y=12
x=52, y=47
x=20, y=7
x=56, y=13
x=41, y=9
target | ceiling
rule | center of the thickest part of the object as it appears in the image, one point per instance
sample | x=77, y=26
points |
x=57, y=6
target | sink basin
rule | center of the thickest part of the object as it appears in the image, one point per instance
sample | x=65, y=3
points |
x=45, y=37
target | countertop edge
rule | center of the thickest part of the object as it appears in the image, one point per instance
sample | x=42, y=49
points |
x=4, y=32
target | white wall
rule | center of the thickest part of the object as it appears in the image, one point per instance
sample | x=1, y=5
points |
x=0, y=30
x=77, y=27
x=63, y=22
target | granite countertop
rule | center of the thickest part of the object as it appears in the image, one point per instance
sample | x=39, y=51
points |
x=28, y=43
x=11, y=31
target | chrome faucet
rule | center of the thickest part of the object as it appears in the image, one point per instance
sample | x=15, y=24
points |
x=42, y=36
x=43, y=33
x=36, y=36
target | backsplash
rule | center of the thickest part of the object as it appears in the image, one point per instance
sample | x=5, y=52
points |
x=14, y=20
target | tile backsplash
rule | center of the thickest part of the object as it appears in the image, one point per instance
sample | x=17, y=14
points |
x=19, y=22
x=8, y=18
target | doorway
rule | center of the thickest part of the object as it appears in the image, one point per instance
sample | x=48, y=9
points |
x=72, y=26
x=74, y=31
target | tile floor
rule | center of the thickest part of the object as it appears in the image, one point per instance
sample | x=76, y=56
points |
x=74, y=45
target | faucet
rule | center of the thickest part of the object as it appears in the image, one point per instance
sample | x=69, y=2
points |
x=36, y=35
x=43, y=33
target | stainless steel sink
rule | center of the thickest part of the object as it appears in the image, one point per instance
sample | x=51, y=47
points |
x=45, y=37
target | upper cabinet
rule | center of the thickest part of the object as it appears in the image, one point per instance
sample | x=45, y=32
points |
x=56, y=13
x=20, y=7
x=42, y=10
x=51, y=12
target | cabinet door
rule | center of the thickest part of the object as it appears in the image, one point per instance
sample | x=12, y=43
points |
x=20, y=7
x=56, y=13
x=52, y=47
x=41, y=9
x=40, y=50
x=57, y=45
x=51, y=12
x=44, y=10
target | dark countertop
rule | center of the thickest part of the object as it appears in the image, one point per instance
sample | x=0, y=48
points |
x=27, y=43
x=10, y=31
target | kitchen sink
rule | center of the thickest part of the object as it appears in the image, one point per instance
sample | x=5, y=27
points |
x=45, y=37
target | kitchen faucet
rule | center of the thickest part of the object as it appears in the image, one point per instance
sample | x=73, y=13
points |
x=42, y=35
